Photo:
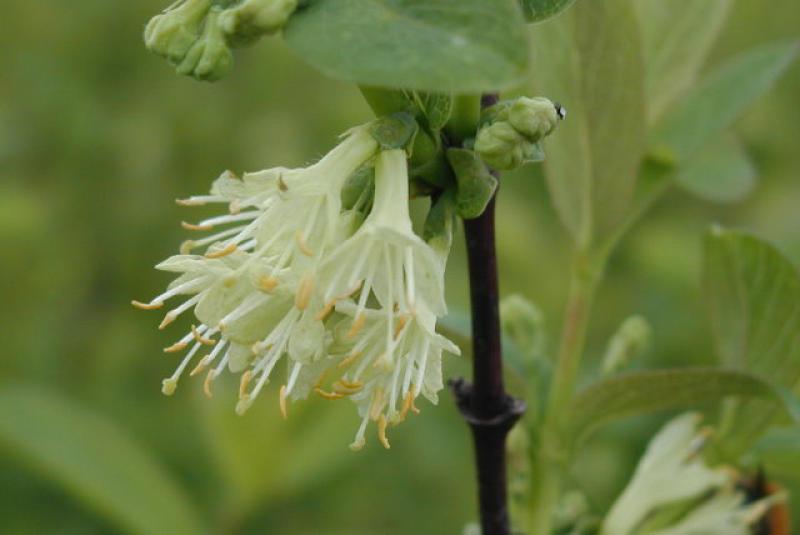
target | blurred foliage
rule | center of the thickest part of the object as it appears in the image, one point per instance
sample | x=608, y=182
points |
x=97, y=136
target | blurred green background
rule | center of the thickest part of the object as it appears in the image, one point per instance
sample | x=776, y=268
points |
x=97, y=137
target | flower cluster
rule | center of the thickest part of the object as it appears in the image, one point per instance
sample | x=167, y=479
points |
x=346, y=297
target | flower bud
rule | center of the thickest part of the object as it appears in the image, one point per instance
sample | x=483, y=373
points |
x=534, y=118
x=251, y=19
x=629, y=342
x=209, y=58
x=501, y=146
x=173, y=33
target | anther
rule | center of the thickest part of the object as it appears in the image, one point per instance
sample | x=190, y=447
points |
x=245, y=380
x=190, y=226
x=302, y=244
x=147, y=306
x=358, y=324
x=229, y=249
x=326, y=311
x=199, y=337
x=382, y=423
x=187, y=246
x=282, y=402
x=177, y=346
x=207, y=384
x=350, y=359
x=267, y=284
x=304, y=291
x=401, y=323
x=328, y=395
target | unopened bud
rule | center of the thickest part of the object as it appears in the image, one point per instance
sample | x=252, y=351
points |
x=501, y=146
x=534, y=118
x=172, y=33
x=209, y=58
x=629, y=342
x=251, y=19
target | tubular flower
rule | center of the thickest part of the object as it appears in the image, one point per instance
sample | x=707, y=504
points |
x=288, y=275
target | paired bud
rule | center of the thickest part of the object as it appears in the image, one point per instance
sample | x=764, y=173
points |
x=197, y=37
x=629, y=342
x=513, y=131
x=523, y=323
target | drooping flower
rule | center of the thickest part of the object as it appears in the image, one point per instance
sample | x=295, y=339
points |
x=349, y=304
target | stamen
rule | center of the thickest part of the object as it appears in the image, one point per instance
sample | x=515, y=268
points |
x=407, y=401
x=382, y=432
x=174, y=313
x=302, y=244
x=267, y=283
x=248, y=305
x=147, y=306
x=409, y=269
x=198, y=336
x=358, y=324
x=304, y=290
x=227, y=250
x=377, y=404
x=200, y=366
x=359, y=441
x=191, y=226
x=401, y=323
x=326, y=311
x=199, y=200
x=350, y=359
x=282, y=402
x=181, y=344
x=328, y=395
x=225, y=219
x=207, y=384
x=243, y=383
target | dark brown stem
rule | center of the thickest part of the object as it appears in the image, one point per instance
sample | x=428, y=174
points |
x=490, y=412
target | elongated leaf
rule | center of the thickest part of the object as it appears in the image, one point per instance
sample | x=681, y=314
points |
x=719, y=100
x=459, y=46
x=720, y=171
x=753, y=294
x=642, y=392
x=94, y=460
x=590, y=61
x=677, y=37
x=538, y=10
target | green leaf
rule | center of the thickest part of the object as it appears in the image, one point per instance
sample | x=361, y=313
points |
x=635, y=393
x=538, y=10
x=449, y=46
x=94, y=460
x=721, y=172
x=437, y=108
x=718, y=101
x=753, y=294
x=589, y=60
x=676, y=39
x=777, y=450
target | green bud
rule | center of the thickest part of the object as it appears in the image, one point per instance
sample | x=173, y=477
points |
x=501, y=146
x=534, y=118
x=629, y=342
x=476, y=185
x=209, y=58
x=251, y=19
x=523, y=323
x=172, y=33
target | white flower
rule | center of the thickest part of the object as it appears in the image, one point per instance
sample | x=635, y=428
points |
x=671, y=470
x=384, y=257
